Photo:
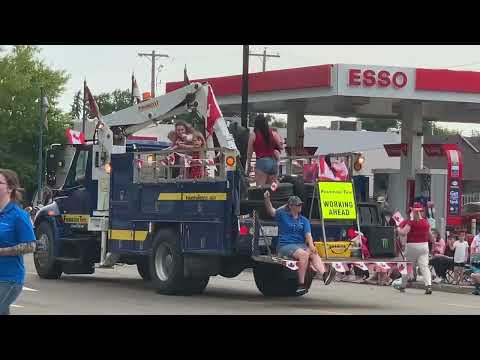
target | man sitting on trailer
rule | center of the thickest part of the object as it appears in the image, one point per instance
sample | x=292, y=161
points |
x=295, y=239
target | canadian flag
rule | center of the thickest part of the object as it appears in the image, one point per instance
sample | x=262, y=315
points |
x=402, y=268
x=383, y=265
x=292, y=265
x=360, y=265
x=325, y=173
x=341, y=170
x=338, y=266
x=398, y=218
x=136, y=90
x=214, y=112
x=75, y=137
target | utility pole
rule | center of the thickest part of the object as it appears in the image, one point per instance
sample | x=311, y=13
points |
x=152, y=58
x=265, y=56
x=245, y=86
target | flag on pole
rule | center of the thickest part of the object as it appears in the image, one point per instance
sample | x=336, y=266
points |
x=92, y=104
x=383, y=265
x=75, y=137
x=361, y=266
x=325, y=173
x=186, y=81
x=339, y=267
x=45, y=106
x=135, y=91
x=214, y=112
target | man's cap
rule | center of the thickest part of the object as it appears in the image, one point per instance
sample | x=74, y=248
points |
x=294, y=200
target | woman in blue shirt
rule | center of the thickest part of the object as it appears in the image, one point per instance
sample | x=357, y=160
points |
x=16, y=238
x=295, y=239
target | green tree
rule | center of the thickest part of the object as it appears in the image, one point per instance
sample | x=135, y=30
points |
x=76, y=111
x=382, y=125
x=442, y=131
x=22, y=75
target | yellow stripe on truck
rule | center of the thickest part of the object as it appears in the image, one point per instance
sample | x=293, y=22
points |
x=139, y=235
x=193, y=196
x=170, y=196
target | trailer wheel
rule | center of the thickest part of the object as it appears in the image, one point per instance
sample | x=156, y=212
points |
x=271, y=280
x=143, y=268
x=43, y=257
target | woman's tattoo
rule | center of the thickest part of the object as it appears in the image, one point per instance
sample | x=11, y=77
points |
x=20, y=249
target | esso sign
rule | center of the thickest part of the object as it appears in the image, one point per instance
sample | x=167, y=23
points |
x=381, y=79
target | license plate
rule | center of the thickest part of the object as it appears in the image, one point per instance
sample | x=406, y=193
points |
x=270, y=230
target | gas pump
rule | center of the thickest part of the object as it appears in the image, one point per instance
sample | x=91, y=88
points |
x=440, y=187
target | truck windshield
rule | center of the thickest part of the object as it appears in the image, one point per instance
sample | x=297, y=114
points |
x=76, y=176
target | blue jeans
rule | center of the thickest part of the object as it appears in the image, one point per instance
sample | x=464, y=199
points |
x=9, y=292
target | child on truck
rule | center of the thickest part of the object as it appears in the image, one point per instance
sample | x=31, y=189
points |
x=196, y=169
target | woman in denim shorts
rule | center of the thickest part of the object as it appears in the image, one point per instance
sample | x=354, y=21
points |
x=263, y=141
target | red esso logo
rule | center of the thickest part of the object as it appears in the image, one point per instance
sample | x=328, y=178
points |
x=382, y=79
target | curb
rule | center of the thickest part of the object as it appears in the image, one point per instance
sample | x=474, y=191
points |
x=454, y=289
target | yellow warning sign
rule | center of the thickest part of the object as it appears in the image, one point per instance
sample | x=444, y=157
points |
x=337, y=200
x=75, y=219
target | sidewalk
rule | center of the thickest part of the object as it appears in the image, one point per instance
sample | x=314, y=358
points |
x=457, y=289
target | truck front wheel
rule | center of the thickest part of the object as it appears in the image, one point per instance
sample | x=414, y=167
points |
x=166, y=267
x=43, y=257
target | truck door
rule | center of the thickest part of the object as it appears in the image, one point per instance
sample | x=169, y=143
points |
x=79, y=191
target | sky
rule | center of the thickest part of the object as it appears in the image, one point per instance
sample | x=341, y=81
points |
x=109, y=67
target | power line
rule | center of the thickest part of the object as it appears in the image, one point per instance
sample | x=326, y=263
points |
x=152, y=58
x=470, y=64
x=265, y=56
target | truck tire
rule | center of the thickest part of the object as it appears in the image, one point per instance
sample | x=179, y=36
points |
x=195, y=286
x=271, y=280
x=43, y=257
x=166, y=267
x=143, y=268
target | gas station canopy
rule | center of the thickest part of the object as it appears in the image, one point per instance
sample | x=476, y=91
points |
x=349, y=90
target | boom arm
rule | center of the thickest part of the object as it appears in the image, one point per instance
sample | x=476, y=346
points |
x=118, y=125
x=164, y=107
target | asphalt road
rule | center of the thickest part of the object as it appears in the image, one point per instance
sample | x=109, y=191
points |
x=122, y=291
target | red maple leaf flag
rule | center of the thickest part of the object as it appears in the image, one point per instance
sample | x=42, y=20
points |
x=75, y=137
x=92, y=104
x=214, y=112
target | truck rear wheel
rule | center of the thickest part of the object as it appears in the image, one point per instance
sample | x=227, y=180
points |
x=271, y=280
x=43, y=257
x=166, y=267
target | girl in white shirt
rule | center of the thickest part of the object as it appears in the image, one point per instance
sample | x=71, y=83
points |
x=460, y=257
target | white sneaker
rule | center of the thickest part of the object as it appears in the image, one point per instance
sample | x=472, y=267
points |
x=437, y=280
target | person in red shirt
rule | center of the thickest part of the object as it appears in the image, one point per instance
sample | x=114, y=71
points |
x=263, y=141
x=418, y=234
x=196, y=170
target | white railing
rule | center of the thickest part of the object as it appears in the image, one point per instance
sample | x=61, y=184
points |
x=472, y=197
